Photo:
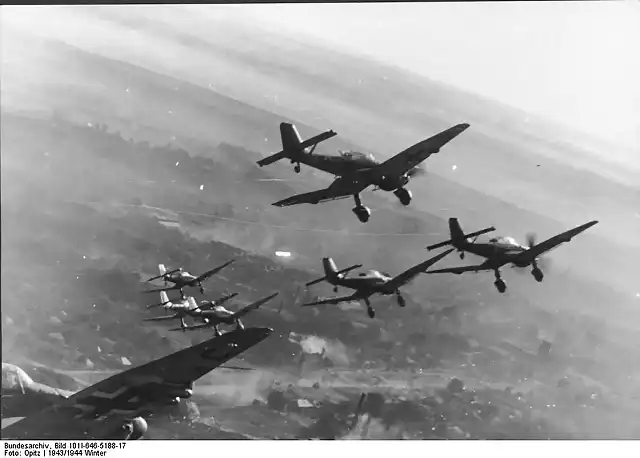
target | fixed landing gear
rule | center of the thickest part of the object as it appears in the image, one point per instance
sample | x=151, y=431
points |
x=362, y=212
x=201, y=288
x=183, y=325
x=537, y=274
x=370, y=311
x=401, y=301
x=216, y=331
x=500, y=284
x=461, y=255
x=239, y=325
x=335, y=289
x=404, y=195
x=296, y=168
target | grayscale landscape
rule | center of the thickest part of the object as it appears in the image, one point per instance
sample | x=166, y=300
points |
x=130, y=138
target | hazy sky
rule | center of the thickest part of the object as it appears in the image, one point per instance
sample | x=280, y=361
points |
x=573, y=62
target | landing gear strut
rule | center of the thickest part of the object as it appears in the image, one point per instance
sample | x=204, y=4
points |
x=500, y=284
x=201, y=288
x=216, y=331
x=370, y=311
x=335, y=289
x=296, y=168
x=462, y=255
x=362, y=212
x=404, y=195
x=401, y=301
x=239, y=325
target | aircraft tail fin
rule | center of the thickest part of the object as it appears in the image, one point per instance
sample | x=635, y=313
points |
x=292, y=144
x=457, y=234
x=330, y=269
x=331, y=272
x=162, y=269
x=458, y=237
x=291, y=139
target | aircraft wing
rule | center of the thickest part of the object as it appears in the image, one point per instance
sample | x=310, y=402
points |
x=460, y=270
x=242, y=312
x=163, y=318
x=334, y=300
x=402, y=162
x=532, y=253
x=98, y=411
x=409, y=274
x=211, y=272
x=322, y=195
x=157, y=290
x=194, y=327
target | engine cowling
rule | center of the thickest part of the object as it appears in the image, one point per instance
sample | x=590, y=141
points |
x=391, y=183
x=133, y=429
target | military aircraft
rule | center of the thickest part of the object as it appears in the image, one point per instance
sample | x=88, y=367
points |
x=210, y=316
x=357, y=171
x=181, y=279
x=185, y=307
x=369, y=283
x=114, y=408
x=503, y=250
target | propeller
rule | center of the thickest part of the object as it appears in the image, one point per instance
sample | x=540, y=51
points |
x=544, y=263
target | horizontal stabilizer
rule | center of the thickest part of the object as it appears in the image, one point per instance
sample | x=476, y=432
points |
x=294, y=148
x=343, y=271
x=271, y=159
x=317, y=139
x=466, y=236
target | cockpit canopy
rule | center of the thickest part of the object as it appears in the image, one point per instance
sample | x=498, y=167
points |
x=371, y=273
x=14, y=378
x=504, y=241
x=358, y=155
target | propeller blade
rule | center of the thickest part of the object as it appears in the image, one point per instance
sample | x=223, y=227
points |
x=531, y=240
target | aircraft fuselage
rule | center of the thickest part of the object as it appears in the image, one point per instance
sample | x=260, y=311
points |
x=497, y=254
x=215, y=316
x=335, y=165
x=368, y=284
x=181, y=278
x=352, y=168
